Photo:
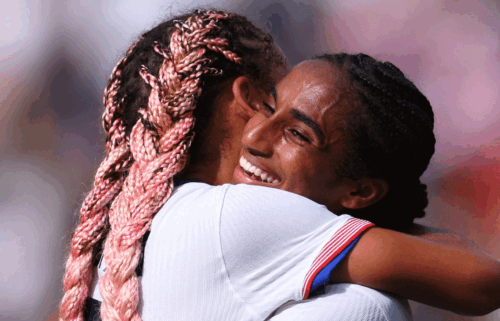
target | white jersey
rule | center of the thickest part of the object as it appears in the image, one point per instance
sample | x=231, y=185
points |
x=238, y=252
x=346, y=302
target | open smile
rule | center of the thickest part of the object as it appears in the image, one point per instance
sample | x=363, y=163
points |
x=256, y=173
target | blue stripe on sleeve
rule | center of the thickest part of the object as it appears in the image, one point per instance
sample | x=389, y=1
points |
x=323, y=276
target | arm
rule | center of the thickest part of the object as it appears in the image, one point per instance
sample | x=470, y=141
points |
x=437, y=270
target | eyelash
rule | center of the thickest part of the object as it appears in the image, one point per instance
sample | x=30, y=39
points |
x=297, y=134
x=268, y=108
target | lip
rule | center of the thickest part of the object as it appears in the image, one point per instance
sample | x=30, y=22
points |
x=241, y=177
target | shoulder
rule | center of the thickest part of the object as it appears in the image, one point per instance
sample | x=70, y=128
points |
x=259, y=200
x=274, y=216
x=189, y=202
x=194, y=195
x=196, y=189
x=268, y=192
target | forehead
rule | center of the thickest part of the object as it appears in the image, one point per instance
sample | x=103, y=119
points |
x=317, y=89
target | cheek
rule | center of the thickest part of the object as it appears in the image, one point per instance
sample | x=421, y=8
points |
x=302, y=173
x=295, y=161
x=316, y=177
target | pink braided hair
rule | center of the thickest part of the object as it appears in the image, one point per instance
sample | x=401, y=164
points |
x=94, y=211
x=152, y=154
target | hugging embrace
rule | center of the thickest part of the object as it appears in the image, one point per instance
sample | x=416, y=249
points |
x=235, y=188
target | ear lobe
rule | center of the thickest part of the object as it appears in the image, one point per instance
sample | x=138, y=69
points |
x=244, y=93
x=363, y=193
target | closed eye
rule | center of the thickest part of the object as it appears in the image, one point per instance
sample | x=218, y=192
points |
x=268, y=109
x=299, y=136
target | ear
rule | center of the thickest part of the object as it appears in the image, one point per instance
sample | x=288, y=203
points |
x=245, y=97
x=364, y=192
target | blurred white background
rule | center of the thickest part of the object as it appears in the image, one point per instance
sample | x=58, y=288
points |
x=55, y=57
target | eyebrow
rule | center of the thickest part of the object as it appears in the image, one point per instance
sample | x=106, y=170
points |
x=300, y=116
x=273, y=92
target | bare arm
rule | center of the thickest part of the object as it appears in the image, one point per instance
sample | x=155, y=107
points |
x=438, y=270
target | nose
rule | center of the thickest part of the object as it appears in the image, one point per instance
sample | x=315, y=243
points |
x=259, y=135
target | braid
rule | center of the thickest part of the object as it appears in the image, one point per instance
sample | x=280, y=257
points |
x=150, y=110
x=149, y=184
x=94, y=212
x=390, y=136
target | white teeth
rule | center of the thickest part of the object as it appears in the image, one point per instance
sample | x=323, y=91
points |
x=245, y=164
x=264, y=176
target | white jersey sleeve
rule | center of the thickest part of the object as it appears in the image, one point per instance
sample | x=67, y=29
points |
x=346, y=302
x=279, y=246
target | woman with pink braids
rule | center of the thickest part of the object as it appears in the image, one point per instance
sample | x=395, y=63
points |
x=150, y=110
x=194, y=67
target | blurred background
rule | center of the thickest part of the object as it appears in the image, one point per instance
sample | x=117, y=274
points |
x=55, y=58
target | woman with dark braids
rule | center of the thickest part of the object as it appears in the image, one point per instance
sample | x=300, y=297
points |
x=354, y=134
x=216, y=68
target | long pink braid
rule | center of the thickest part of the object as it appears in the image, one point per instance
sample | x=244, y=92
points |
x=159, y=152
x=94, y=211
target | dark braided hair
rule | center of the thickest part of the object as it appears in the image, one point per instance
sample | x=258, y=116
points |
x=389, y=135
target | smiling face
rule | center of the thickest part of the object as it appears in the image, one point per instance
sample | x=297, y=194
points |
x=295, y=143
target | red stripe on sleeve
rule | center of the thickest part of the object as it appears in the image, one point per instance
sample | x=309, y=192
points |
x=340, y=240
